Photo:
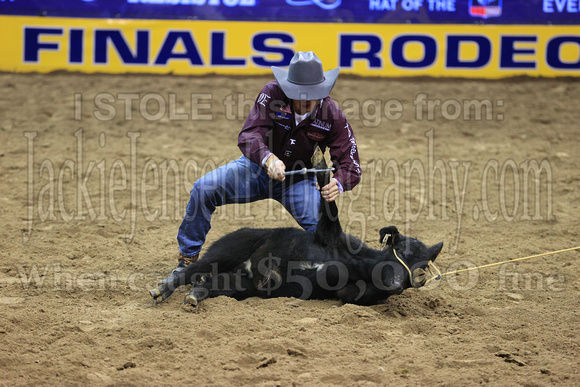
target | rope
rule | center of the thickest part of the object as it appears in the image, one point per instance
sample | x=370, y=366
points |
x=512, y=260
x=430, y=267
x=404, y=265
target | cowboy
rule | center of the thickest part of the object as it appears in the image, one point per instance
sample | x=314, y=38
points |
x=290, y=117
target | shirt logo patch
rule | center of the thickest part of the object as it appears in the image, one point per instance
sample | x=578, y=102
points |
x=315, y=136
x=321, y=124
x=263, y=99
x=282, y=115
x=286, y=127
x=292, y=141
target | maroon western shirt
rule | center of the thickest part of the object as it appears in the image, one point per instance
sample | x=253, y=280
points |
x=271, y=128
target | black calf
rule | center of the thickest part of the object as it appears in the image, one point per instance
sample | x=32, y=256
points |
x=289, y=262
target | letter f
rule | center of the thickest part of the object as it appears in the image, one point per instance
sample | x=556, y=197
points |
x=32, y=45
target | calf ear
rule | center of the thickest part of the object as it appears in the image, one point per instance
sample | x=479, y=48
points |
x=391, y=233
x=435, y=250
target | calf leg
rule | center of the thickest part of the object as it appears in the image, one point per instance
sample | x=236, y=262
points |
x=223, y=256
x=364, y=293
x=238, y=285
x=192, y=274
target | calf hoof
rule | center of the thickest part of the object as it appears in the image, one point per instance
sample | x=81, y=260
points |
x=160, y=294
x=194, y=297
x=190, y=303
x=166, y=287
x=191, y=299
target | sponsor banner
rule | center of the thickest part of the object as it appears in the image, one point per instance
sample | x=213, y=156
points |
x=321, y=11
x=32, y=44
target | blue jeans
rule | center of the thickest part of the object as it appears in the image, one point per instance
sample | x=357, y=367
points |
x=243, y=181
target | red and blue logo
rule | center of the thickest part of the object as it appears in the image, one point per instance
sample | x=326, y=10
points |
x=485, y=8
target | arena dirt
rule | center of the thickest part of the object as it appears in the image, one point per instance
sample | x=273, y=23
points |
x=93, y=192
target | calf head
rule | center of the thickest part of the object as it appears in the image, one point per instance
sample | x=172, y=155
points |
x=413, y=255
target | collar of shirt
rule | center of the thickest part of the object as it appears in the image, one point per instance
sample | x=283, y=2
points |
x=301, y=117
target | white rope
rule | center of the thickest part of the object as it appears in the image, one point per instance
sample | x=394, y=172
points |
x=512, y=260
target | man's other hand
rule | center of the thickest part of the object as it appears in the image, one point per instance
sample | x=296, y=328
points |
x=330, y=191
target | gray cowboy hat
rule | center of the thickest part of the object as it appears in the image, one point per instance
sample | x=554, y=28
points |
x=305, y=80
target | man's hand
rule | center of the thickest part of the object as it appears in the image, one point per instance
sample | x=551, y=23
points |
x=275, y=167
x=330, y=191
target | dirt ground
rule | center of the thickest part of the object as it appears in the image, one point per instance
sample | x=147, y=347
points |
x=96, y=172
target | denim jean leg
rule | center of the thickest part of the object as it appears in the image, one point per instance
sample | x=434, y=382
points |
x=302, y=200
x=240, y=181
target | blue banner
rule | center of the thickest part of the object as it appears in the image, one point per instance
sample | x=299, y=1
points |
x=563, y=12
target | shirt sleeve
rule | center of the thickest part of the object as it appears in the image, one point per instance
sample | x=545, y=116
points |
x=254, y=137
x=344, y=154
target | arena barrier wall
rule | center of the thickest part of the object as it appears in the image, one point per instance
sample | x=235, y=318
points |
x=475, y=47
